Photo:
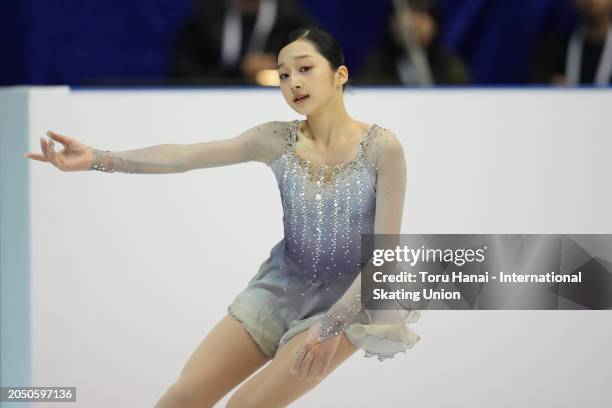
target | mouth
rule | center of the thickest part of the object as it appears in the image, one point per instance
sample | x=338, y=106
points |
x=300, y=98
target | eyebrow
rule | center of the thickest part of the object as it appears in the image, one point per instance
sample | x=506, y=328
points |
x=296, y=57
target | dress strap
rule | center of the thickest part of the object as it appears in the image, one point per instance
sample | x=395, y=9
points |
x=293, y=132
x=365, y=142
x=291, y=136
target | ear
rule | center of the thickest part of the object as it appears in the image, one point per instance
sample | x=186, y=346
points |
x=341, y=77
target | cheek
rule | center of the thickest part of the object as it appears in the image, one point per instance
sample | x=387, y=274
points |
x=284, y=90
x=322, y=82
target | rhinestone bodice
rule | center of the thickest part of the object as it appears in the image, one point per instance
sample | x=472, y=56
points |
x=326, y=208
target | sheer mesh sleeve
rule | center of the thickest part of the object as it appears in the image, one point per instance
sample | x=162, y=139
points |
x=387, y=155
x=262, y=143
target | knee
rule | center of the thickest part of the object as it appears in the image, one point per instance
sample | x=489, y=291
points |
x=182, y=395
x=177, y=395
x=239, y=400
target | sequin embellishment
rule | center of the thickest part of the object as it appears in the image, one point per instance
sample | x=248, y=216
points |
x=326, y=208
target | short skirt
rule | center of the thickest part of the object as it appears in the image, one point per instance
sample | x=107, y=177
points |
x=278, y=303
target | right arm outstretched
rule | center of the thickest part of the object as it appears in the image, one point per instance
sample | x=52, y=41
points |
x=261, y=143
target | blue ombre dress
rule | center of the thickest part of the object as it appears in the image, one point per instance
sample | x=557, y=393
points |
x=326, y=208
x=313, y=273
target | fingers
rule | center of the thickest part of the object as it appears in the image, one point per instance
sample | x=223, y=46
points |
x=300, y=363
x=65, y=140
x=316, y=361
x=301, y=353
x=306, y=364
x=48, y=149
x=307, y=344
x=43, y=146
x=36, y=156
x=321, y=364
x=311, y=363
x=51, y=155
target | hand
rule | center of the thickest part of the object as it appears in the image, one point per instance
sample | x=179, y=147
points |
x=75, y=157
x=558, y=79
x=254, y=62
x=314, y=356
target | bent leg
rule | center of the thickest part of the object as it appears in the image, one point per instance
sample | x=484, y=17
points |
x=275, y=386
x=223, y=360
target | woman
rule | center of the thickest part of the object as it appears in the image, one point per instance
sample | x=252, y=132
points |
x=339, y=178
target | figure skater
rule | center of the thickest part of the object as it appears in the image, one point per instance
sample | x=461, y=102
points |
x=302, y=311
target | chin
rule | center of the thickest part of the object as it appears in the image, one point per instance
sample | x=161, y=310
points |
x=302, y=110
x=309, y=109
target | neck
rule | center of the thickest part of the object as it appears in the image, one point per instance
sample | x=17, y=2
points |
x=329, y=122
x=596, y=30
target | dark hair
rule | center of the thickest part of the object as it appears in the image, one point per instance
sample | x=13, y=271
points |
x=324, y=42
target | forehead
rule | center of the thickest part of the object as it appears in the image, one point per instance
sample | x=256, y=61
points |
x=296, y=51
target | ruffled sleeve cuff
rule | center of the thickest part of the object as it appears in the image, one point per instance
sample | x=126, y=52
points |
x=383, y=333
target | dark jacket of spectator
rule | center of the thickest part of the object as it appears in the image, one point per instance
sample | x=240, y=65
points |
x=390, y=63
x=197, y=55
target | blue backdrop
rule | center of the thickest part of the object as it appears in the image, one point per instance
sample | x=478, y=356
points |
x=71, y=42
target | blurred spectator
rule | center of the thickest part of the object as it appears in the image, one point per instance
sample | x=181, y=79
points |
x=583, y=56
x=230, y=41
x=391, y=64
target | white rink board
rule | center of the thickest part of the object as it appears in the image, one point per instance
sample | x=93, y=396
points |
x=129, y=272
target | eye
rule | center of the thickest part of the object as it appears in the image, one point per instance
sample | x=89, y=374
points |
x=302, y=69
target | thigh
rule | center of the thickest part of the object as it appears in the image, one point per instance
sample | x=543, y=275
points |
x=223, y=360
x=275, y=386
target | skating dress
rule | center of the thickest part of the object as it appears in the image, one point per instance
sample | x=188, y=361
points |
x=313, y=272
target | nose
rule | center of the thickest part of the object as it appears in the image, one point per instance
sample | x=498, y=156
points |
x=295, y=84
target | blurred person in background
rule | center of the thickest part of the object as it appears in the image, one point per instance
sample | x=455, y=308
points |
x=391, y=64
x=583, y=56
x=231, y=41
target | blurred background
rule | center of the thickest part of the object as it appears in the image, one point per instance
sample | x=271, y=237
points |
x=515, y=162
x=199, y=42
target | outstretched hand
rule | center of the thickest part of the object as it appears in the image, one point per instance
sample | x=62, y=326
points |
x=314, y=356
x=76, y=156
